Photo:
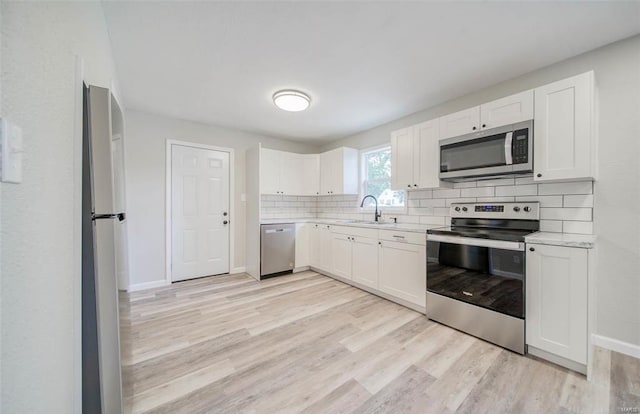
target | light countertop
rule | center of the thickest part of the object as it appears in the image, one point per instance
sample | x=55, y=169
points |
x=585, y=241
x=416, y=228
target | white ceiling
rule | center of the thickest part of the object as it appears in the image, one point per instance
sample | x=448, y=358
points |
x=362, y=63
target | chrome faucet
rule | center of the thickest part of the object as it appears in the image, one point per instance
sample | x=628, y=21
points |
x=376, y=214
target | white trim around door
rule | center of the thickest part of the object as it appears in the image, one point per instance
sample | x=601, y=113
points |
x=232, y=218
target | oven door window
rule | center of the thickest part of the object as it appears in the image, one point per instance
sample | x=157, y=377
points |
x=482, y=276
x=477, y=153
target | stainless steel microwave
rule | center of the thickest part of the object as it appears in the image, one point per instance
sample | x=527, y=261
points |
x=499, y=151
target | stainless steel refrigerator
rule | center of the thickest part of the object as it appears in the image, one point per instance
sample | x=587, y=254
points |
x=101, y=359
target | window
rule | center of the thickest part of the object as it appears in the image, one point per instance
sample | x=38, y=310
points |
x=376, y=178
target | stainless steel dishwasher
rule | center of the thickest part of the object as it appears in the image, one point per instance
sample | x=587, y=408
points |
x=277, y=248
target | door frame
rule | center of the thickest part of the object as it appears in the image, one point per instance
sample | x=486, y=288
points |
x=168, y=222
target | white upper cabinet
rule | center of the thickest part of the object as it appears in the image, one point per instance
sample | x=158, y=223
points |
x=426, y=155
x=289, y=173
x=402, y=159
x=503, y=111
x=415, y=157
x=270, y=162
x=460, y=123
x=564, y=131
x=339, y=171
x=310, y=176
x=508, y=110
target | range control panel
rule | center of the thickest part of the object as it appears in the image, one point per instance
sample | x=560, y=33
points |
x=489, y=207
x=518, y=210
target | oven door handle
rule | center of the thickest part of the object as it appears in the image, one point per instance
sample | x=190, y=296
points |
x=470, y=241
x=508, y=151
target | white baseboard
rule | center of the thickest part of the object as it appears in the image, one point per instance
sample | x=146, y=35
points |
x=147, y=285
x=616, y=345
x=237, y=270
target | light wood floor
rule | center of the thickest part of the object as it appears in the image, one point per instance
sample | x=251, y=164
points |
x=308, y=343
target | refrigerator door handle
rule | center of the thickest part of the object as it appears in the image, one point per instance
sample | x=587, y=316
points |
x=120, y=216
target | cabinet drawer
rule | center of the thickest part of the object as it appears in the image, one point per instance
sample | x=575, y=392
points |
x=403, y=237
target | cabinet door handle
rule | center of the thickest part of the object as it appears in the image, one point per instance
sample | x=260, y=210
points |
x=539, y=175
x=474, y=128
x=531, y=249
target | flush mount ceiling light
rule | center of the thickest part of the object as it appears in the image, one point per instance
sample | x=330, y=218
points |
x=290, y=100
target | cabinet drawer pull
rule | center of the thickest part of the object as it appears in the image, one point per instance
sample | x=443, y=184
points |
x=531, y=249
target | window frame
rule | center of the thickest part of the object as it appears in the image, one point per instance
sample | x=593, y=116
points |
x=363, y=182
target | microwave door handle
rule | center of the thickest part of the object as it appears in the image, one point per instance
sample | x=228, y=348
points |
x=508, y=156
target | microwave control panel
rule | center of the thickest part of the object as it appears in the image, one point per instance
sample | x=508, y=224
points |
x=520, y=147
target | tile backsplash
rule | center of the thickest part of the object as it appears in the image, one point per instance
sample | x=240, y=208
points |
x=564, y=207
x=285, y=206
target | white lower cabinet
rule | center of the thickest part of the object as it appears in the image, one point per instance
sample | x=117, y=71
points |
x=556, y=301
x=364, y=262
x=389, y=262
x=402, y=270
x=315, y=254
x=341, y=255
x=303, y=240
x=324, y=252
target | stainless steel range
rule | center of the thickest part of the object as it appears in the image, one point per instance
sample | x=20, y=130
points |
x=476, y=270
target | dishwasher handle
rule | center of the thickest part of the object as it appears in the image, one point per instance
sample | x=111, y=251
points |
x=282, y=230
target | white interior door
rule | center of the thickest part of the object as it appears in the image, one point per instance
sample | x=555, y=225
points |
x=199, y=212
x=121, y=241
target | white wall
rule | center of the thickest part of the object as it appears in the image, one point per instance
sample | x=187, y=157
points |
x=145, y=148
x=617, y=192
x=40, y=359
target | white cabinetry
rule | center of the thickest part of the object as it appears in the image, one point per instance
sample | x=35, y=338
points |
x=402, y=266
x=270, y=162
x=288, y=173
x=460, y=123
x=503, y=111
x=364, y=266
x=324, y=252
x=565, y=142
x=556, y=301
x=310, y=174
x=507, y=110
x=341, y=255
x=339, y=171
x=415, y=155
x=314, y=245
x=303, y=241
x=355, y=255
x=402, y=159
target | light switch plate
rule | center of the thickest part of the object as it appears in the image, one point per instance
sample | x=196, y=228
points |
x=10, y=152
